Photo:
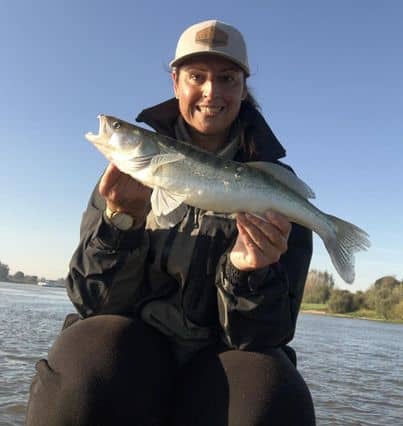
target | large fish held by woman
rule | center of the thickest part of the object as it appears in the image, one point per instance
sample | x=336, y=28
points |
x=181, y=174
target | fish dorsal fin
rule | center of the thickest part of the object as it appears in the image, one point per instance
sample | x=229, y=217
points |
x=284, y=176
x=163, y=159
x=167, y=207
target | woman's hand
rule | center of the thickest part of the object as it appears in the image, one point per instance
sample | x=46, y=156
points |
x=260, y=242
x=124, y=194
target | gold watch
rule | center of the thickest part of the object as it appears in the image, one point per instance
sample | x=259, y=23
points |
x=120, y=220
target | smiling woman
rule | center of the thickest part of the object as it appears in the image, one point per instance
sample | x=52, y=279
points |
x=183, y=325
x=210, y=91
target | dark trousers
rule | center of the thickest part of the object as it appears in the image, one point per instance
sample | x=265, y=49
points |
x=113, y=370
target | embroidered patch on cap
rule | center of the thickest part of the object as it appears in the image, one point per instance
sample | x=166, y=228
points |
x=212, y=36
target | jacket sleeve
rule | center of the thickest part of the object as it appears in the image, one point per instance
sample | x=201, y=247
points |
x=259, y=309
x=107, y=268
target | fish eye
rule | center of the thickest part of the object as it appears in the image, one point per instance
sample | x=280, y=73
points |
x=116, y=124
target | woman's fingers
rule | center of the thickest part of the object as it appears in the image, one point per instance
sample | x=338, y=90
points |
x=271, y=231
x=255, y=234
x=261, y=241
x=123, y=193
x=109, y=179
x=280, y=221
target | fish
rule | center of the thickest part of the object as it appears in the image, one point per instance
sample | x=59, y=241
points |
x=182, y=174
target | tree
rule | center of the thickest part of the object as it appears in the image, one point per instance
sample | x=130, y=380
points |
x=387, y=281
x=61, y=281
x=4, y=270
x=359, y=300
x=398, y=292
x=318, y=287
x=19, y=276
x=31, y=279
x=370, y=298
x=384, y=296
x=385, y=302
x=397, y=311
x=341, y=301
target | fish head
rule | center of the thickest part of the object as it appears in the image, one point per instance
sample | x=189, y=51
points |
x=120, y=140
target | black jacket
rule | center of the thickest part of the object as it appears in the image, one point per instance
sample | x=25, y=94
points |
x=181, y=280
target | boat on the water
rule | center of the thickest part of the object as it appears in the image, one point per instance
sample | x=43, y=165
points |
x=50, y=283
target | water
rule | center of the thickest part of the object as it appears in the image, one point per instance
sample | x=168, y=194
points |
x=354, y=368
x=30, y=319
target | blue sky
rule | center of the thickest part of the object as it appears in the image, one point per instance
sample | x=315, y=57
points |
x=327, y=74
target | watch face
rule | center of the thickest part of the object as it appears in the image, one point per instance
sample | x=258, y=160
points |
x=122, y=221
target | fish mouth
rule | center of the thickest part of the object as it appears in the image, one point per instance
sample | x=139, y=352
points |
x=96, y=138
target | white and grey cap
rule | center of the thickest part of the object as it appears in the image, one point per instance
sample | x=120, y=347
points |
x=215, y=37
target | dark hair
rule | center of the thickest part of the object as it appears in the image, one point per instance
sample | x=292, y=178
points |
x=250, y=99
x=247, y=142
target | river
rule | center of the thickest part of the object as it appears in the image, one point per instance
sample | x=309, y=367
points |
x=353, y=367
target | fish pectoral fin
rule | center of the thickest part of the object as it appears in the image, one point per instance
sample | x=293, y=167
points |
x=284, y=176
x=168, y=207
x=162, y=159
x=172, y=218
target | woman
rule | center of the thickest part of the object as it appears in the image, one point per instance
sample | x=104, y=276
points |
x=184, y=326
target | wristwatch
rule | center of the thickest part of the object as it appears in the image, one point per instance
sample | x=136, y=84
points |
x=120, y=220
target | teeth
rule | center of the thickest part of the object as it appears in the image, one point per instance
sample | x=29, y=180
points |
x=209, y=109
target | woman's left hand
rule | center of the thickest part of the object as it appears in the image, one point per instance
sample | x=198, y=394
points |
x=260, y=242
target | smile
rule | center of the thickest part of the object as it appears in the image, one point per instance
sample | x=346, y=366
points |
x=209, y=110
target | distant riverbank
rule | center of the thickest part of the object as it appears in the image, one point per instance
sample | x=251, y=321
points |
x=307, y=308
x=45, y=283
x=364, y=314
x=11, y=281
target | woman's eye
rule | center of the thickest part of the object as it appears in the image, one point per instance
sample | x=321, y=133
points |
x=195, y=77
x=227, y=78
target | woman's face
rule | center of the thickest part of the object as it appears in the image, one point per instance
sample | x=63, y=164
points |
x=210, y=90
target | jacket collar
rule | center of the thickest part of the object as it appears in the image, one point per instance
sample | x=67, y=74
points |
x=162, y=118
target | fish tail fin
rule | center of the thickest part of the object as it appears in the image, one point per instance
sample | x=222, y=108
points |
x=342, y=242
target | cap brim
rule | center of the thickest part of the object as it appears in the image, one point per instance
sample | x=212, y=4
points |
x=178, y=61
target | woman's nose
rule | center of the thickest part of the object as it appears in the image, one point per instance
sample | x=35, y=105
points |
x=210, y=89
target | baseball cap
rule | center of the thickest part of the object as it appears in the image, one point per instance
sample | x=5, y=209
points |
x=215, y=37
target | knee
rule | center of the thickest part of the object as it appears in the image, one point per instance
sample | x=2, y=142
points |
x=109, y=351
x=267, y=389
x=102, y=342
x=243, y=388
x=106, y=366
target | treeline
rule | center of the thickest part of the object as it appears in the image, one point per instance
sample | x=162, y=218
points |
x=20, y=277
x=383, y=299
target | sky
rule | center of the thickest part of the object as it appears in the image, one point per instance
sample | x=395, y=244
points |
x=327, y=74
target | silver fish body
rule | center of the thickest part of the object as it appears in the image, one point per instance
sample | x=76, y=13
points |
x=181, y=174
x=228, y=187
